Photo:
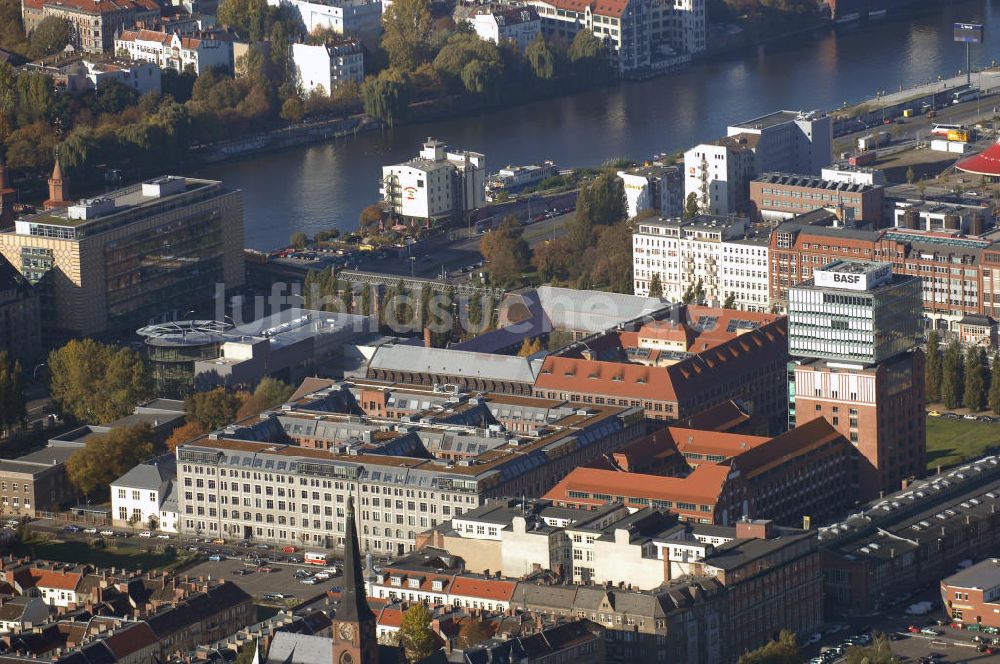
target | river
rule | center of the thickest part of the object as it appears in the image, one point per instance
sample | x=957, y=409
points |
x=326, y=185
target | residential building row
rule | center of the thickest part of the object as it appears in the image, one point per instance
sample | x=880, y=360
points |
x=198, y=52
x=93, y=25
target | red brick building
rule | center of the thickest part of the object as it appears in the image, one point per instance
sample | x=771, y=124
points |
x=810, y=471
x=972, y=596
x=778, y=196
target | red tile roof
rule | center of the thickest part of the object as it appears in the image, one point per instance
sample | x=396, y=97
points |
x=390, y=616
x=494, y=589
x=789, y=445
x=617, y=379
x=130, y=640
x=696, y=441
x=704, y=485
x=102, y=6
x=44, y=578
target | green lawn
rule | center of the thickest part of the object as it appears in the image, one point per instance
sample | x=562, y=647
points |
x=81, y=552
x=950, y=442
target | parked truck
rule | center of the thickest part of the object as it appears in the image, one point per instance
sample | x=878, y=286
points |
x=866, y=158
x=873, y=140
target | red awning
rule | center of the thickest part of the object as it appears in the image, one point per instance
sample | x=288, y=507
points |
x=986, y=162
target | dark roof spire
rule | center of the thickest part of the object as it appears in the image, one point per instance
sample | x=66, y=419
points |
x=353, y=599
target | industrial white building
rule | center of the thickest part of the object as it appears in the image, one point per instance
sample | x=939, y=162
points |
x=360, y=18
x=790, y=141
x=174, y=51
x=711, y=250
x=659, y=188
x=515, y=25
x=437, y=183
x=324, y=67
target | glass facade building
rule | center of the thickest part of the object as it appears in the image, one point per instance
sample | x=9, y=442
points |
x=855, y=325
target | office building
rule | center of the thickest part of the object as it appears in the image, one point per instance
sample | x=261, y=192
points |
x=844, y=172
x=171, y=50
x=804, y=474
x=730, y=355
x=857, y=312
x=406, y=478
x=93, y=24
x=506, y=25
x=356, y=18
x=718, y=174
x=437, y=184
x=779, y=196
x=187, y=356
x=322, y=68
x=789, y=141
x=111, y=263
x=972, y=595
x=721, y=254
x=20, y=316
x=678, y=25
x=36, y=483
x=855, y=328
x=657, y=188
x=960, y=273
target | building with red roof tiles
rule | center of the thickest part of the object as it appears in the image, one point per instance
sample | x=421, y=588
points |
x=750, y=367
x=199, y=51
x=808, y=472
x=94, y=22
x=482, y=593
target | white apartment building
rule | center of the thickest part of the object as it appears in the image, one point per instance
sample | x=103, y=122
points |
x=743, y=271
x=853, y=174
x=143, y=77
x=438, y=183
x=515, y=25
x=360, y=18
x=623, y=25
x=712, y=250
x=659, y=188
x=789, y=141
x=173, y=51
x=719, y=174
x=324, y=67
x=147, y=493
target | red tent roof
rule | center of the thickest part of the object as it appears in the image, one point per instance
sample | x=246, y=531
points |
x=986, y=162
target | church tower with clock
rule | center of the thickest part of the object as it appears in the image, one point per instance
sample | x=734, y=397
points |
x=354, y=640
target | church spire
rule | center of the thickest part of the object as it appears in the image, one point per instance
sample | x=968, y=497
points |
x=57, y=187
x=353, y=599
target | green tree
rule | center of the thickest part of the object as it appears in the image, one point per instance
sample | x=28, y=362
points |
x=11, y=29
x=783, y=651
x=878, y=652
x=952, y=380
x=932, y=367
x=298, y=239
x=974, y=395
x=12, y=402
x=292, y=110
x=541, y=58
x=415, y=633
x=691, y=205
x=50, y=36
x=366, y=300
x=655, y=286
x=386, y=97
x=269, y=393
x=406, y=33
x=588, y=55
x=212, y=409
x=107, y=457
x=730, y=302
x=910, y=175
x=529, y=347
x=599, y=203
x=995, y=385
x=246, y=653
x=506, y=252
x=96, y=383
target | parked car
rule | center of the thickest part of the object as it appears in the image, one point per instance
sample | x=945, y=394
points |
x=216, y=557
x=107, y=533
x=145, y=534
x=71, y=529
x=90, y=531
x=163, y=536
x=219, y=541
x=310, y=581
x=265, y=569
x=930, y=631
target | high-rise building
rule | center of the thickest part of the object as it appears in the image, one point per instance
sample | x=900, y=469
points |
x=790, y=141
x=114, y=262
x=854, y=329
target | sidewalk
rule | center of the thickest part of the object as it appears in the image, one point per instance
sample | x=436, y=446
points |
x=985, y=80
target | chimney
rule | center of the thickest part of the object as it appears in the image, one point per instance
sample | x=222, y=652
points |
x=427, y=337
x=757, y=528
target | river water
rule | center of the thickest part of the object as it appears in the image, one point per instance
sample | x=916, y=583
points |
x=326, y=185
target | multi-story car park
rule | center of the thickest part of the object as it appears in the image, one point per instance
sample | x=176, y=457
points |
x=402, y=475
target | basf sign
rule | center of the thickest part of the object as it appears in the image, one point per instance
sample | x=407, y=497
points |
x=844, y=275
x=970, y=33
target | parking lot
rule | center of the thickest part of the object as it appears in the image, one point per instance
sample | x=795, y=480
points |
x=260, y=584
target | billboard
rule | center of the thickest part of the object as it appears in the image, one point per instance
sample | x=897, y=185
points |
x=969, y=33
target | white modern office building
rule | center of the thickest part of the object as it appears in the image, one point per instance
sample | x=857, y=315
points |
x=798, y=142
x=659, y=188
x=359, y=18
